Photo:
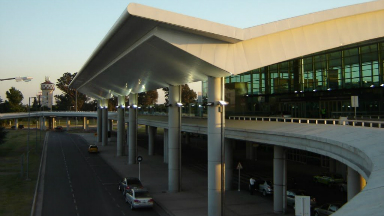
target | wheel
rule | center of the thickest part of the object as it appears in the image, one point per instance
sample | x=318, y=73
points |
x=264, y=193
x=126, y=199
x=132, y=205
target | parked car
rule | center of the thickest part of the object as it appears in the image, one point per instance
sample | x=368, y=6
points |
x=265, y=187
x=93, y=149
x=13, y=127
x=328, y=179
x=342, y=186
x=292, y=193
x=327, y=209
x=139, y=198
x=129, y=183
x=21, y=126
x=59, y=128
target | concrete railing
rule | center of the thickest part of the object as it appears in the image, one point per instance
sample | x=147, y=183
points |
x=341, y=121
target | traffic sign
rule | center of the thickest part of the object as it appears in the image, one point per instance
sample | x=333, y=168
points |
x=239, y=166
x=139, y=158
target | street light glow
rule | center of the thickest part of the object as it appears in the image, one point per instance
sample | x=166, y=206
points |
x=18, y=79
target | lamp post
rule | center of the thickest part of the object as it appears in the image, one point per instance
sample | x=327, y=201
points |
x=29, y=119
x=18, y=79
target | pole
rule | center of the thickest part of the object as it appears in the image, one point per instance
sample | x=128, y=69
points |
x=222, y=150
x=239, y=181
x=139, y=170
x=29, y=118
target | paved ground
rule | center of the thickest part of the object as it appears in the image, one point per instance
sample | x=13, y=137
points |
x=79, y=183
x=193, y=199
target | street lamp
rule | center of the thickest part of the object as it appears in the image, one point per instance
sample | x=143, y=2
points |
x=18, y=79
x=29, y=119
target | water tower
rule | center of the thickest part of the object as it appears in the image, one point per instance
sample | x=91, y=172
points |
x=47, y=93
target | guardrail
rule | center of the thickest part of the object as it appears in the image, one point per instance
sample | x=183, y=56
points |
x=341, y=121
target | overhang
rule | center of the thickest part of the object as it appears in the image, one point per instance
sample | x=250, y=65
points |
x=149, y=48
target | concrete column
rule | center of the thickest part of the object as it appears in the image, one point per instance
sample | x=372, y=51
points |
x=165, y=145
x=228, y=164
x=16, y=123
x=250, y=151
x=214, y=126
x=68, y=123
x=104, y=123
x=332, y=165
x=85, y=123
x=120, y=126
x=53, y=122
x=151, y=139
x=110, y=129
x=132, y=148
x=356, y=183
x=174, y=150
x=126, y=145
x=278, y=175
x=99, y=120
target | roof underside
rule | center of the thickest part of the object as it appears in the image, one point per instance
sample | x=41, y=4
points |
x=148, y=48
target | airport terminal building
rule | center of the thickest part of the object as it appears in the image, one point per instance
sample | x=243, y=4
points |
x=303, y=87
x=306, y=67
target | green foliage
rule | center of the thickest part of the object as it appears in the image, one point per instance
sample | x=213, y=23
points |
x=3, y=133
x=15, y=97
x=67, y=100
x=187, y=94
x=148, y=98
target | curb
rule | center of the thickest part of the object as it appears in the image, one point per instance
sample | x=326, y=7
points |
x=42, y=160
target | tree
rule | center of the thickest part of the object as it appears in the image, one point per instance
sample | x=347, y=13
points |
x=3, y=133
x=14, y=99
x=187, y=94
x=147, y=98
x=68, y=99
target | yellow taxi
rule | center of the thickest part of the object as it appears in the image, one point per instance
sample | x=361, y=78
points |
x=93, y=149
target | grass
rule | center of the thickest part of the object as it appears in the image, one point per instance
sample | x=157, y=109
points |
x=16, y=193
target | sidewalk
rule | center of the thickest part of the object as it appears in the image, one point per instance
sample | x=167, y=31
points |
x=193, y=199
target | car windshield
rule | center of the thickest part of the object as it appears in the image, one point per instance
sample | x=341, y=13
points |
x=142, y=194
x=302, y=193
x=134, y=181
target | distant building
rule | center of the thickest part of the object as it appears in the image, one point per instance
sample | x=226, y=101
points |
x=47, y=93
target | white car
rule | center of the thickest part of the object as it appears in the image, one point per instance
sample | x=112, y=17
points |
x=139, y=198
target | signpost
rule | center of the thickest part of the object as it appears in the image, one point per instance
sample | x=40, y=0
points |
x=355, y=103
x=239, y=167
x=139, y=159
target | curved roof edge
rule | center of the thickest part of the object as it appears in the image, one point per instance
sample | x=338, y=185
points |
x=184, y=21
x=312, y=18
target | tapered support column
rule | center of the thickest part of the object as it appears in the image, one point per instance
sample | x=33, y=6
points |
x=215, y=124
x=110, y=129
x=165, y=145
x=85, y=123
x=174, y=150
x=151, y=139
x=228, y=163
x=99, y=120
x=120, y=126
x=356, y=183
x=104, y=123
x=16, y=123
x=68, y=123
x=278, y=179
x=132, y=149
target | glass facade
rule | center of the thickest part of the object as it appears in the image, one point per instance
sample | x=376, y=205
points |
x=304, y=86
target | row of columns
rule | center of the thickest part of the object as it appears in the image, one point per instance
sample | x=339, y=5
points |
x=219, y=149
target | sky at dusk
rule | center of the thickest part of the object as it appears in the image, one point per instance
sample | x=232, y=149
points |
x=42, y=38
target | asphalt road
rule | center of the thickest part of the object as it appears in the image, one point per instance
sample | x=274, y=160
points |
x=79, y=183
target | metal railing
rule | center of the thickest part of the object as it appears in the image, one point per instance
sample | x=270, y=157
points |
x=340, y=121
